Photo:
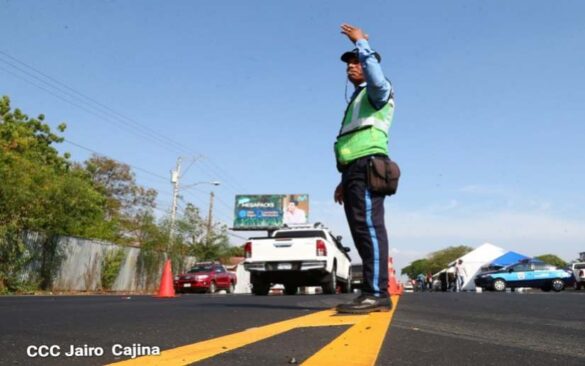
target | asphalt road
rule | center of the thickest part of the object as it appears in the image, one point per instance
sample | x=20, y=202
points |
x=426, y=328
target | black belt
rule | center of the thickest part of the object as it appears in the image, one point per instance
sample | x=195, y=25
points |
x=342, y=168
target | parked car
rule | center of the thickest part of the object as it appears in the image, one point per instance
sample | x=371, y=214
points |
x=206, y=277
x=526, y=273
x=298, y=256
x=578, y=270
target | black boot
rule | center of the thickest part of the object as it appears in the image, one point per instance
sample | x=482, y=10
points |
x=364, y=304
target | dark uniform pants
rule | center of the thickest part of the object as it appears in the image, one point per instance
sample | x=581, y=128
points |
x=364, y=211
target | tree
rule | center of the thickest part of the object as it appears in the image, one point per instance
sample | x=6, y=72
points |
x=29, y=138
x=129, y=206
x=436, y=261
x=441, y=258
x=553, y=260
x=416, y=267
x=192, y=232
x=190, y=226
x=41, y=192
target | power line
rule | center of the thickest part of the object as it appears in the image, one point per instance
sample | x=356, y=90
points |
x=97, y=113
x=227, y=207
x=132, y=166
x=91, y=102
x=141, y=130
x=223, y=203
x=228, y=212
x=222, y=173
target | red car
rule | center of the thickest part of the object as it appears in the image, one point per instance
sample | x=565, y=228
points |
x=206, y=277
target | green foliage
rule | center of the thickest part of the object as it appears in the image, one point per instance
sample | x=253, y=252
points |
x=111, y=265
x=217, y=247
x=40, y=191
x=416, y=267
x=192, y=237
x=52, y=256
x=552, y=259
x=128, y=206
x=435, y=261
x=29, y=138
x=14, y=256
x=148, y=266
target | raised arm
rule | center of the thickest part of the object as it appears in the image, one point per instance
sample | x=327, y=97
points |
x=379, y=88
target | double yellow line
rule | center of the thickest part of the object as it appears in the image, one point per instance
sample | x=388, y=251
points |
x=359, y=345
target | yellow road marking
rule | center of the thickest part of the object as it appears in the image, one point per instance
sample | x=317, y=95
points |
x=198, y=351
x=336, y=320
x=359, y=345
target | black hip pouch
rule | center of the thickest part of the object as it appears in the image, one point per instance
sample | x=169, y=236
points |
x=383, y=175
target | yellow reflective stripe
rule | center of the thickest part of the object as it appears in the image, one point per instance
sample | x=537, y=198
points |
x=359, y=345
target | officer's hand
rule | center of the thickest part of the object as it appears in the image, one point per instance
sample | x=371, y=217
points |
x=338, y=195
x=353, y=33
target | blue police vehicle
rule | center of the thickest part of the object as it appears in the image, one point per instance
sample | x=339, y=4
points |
x=526, y=273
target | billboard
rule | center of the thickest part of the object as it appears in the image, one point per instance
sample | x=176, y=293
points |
x=270, y=211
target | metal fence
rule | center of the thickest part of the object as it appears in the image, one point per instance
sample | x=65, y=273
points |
x=77, y=264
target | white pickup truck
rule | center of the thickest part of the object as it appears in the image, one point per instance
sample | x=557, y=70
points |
x=579, y=274
x=298, y=256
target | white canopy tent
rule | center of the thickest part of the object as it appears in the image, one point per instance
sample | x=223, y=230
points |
x=474, y=260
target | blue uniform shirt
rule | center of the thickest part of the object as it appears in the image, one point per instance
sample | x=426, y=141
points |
x=378, y=87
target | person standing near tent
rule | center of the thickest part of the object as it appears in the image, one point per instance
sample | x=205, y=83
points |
x=421, y=282
x=460, y=274
x=364, y=136
x=430, y=281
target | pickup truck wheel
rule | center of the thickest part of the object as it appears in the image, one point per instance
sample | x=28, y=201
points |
x=230, y=289
x=212, y=288
x=557, y=285
x=290, y=289
x=330, y=285
x=346, y=287
x=499, y=285
x=260, y=288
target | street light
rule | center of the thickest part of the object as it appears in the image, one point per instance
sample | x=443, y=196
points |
x=175, y=180
x=213, y=182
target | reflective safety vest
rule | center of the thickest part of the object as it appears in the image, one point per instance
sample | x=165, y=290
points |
x=364, y=130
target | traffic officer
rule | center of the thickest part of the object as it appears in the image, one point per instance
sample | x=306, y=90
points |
x=363, y=135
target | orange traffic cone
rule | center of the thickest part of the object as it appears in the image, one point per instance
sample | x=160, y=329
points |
x=398, y=286
x=393, y=286
x=166, y=288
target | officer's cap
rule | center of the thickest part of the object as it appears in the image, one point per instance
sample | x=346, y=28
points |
x=349, y=55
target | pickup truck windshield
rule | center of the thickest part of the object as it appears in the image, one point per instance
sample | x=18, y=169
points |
x=202, y=268
x=300, y=234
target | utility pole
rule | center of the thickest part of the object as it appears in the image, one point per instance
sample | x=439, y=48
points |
x=175, y=176
x=210, y=217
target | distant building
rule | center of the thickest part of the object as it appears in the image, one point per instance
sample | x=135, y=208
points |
x=582, y=256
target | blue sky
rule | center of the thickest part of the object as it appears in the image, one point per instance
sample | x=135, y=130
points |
x=488, y=128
